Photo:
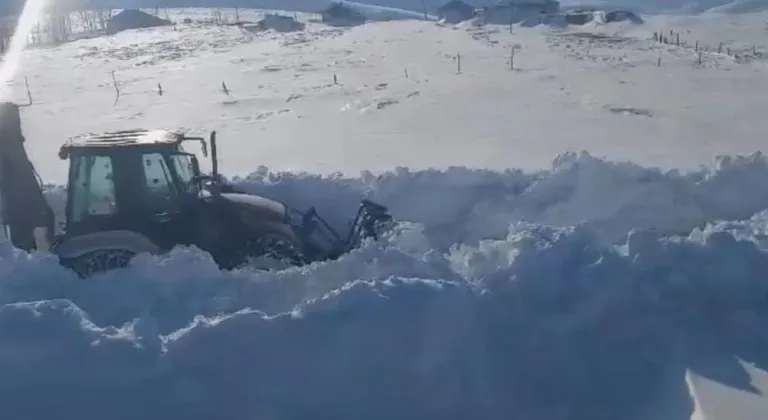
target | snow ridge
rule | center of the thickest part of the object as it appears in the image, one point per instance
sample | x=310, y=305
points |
x=467, y=313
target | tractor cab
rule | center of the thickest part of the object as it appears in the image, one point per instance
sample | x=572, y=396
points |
x=138, y=180
x=138, y=191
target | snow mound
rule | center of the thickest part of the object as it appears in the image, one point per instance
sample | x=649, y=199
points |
x=501, y=295
x=463, y=205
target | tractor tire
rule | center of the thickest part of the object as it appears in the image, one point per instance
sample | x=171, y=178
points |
x=100, y=261
x=273, y=247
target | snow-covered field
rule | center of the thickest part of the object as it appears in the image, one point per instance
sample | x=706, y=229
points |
x=568, y=92
x=577, y=286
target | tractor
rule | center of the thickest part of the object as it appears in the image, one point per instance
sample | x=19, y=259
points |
x=138, y=191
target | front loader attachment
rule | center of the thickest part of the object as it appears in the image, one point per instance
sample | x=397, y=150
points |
x=24, y=212
x=322, y=242
x=319, y=241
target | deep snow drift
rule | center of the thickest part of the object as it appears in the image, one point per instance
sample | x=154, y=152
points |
x=466, y=311
x=595, y=289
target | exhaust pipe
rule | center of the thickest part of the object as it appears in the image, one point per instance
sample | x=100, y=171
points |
x=214, y=157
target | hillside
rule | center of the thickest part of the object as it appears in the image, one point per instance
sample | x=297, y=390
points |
x=595, y=88
x=651, y=6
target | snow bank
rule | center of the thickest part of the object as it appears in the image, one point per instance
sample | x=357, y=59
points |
x=472, y=309
x=463, y=205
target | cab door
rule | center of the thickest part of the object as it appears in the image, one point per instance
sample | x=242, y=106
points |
x=168, y=207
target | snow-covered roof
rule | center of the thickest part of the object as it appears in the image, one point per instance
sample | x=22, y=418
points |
x=133, y=19
x=138, y=137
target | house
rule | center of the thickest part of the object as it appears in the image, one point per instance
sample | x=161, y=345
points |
x=623, y=16
x=340, y=14
x=133, y=19
x=277, y=23
x=455, y=11
x=579, y=17
x=508, y=12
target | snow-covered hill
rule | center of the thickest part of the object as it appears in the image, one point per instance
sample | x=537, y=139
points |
x=595, y=88
x=645, y=6
x=524, y=281
x=686, y=7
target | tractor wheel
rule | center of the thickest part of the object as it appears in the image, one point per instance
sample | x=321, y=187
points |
x=99, y=261
x=273, y=248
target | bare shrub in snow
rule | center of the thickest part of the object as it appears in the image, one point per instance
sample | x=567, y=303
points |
x=6, y=31
x=59, y=25
x=94, y=20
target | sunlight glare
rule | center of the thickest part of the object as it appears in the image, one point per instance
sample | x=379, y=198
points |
x=31, y=14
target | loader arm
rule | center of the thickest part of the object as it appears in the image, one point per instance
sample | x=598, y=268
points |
x=26, y=215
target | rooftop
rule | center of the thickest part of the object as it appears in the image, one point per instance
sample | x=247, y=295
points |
x=137, y=137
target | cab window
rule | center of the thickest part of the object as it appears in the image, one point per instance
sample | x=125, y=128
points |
x=93, y=189
x=160, y=187
x=183, y=166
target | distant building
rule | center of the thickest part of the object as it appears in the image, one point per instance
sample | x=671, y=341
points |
x=133, y=19
x=278, y=23
x=579, y=18
x=455, y=11
x=507, y=12
x=623, y=16
x=340, y=14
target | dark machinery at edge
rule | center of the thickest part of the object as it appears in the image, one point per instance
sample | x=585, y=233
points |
x=138, y=191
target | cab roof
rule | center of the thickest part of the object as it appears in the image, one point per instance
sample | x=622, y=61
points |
x=125, y=138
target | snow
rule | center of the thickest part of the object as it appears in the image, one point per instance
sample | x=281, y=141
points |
x=644, y=6
x=713, y=399
x=678, y=7
x=623, y=283
x=283, y=107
